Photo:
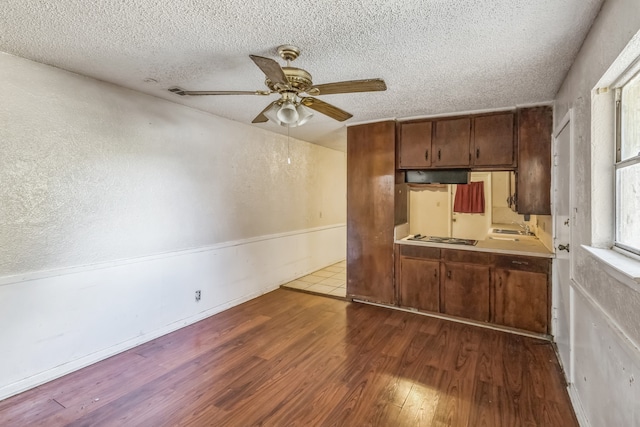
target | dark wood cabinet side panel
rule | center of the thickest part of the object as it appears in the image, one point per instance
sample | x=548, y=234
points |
x=370, y=211
x=534, y=160
x=521, y=300
x=419, y=284
x=493, y=140
x=415, y=145
x=401, y=203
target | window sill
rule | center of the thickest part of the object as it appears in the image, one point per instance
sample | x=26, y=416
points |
x=617, y=265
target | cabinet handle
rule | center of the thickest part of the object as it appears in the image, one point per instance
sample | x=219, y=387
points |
x=449, y=274
x=477, y=153
x=435, y=272
x=438, y=154
x=519, y=262
x=426, y=154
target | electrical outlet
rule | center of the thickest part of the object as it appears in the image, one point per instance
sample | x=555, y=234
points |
x=198, y=295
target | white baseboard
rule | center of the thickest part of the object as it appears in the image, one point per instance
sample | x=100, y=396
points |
x=583, y=421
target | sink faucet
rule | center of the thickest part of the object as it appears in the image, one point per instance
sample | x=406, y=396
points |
x=525, y=227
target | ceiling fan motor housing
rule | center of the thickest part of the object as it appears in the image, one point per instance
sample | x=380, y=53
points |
x=288, y=52
x=299, y=80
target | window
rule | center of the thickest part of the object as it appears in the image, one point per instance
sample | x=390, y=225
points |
x=627, y=166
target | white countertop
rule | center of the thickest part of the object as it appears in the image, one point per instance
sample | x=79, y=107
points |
x=528, y=247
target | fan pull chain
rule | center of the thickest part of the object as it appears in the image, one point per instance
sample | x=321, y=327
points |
x=288, y=141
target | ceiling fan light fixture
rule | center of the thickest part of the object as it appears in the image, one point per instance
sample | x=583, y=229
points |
x=272, y=114
x=287, y=113
x=304, y=114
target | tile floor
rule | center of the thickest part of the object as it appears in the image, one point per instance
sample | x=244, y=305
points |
x=330, y=280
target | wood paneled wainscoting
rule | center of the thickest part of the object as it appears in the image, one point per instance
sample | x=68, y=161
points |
x=288, y=358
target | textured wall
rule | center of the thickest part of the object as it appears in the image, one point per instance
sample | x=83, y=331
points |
x=618, y=21
x=605, y=314
x=91, y=172
x=120, y=184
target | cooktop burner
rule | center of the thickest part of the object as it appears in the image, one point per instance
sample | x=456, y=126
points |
x=449, y=240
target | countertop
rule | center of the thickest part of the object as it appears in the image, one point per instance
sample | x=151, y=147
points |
x=525, y=246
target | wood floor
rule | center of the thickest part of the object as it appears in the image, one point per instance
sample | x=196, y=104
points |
x=289, y=358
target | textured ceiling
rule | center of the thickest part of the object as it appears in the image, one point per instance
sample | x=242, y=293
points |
x=436, y=56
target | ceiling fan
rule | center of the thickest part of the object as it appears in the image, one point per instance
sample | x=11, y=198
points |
x=292, y=109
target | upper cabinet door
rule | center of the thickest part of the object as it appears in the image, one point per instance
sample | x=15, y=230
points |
x=414, y=150
x=535, y=126
x=493, y=140
x=451, y=142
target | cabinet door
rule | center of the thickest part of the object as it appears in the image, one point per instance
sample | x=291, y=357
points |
x=370, y=211
x=534, y=161
x=420, y=284
x=450, y=145
x=493, y=140
x=521, y=300
x=464, y=290
x=415, y=145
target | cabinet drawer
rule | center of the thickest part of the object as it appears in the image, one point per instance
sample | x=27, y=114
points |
x=522, y=263
x=419, y=252
x=466, y=256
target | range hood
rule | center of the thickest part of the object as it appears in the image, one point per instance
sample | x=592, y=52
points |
x=444, y=176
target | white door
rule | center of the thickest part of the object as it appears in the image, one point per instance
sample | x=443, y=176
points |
x=562, y=295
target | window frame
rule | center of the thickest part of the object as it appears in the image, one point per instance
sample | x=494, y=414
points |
x=619, y=163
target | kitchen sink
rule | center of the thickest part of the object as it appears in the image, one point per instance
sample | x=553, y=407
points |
x=509, y=234
x=505, y=231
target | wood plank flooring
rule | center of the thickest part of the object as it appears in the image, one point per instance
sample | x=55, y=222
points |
x=294, y=359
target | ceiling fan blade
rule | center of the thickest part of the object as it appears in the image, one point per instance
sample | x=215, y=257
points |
x=261, y=118
x=182, y=92
x=369, y=85
x=271, y=69
x=326, y=109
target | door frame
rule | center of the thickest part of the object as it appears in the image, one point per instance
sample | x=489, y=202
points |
x=567, y=120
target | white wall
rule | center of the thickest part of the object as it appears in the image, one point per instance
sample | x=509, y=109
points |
x=430, y=210
x=116, y=206
x=605, y=316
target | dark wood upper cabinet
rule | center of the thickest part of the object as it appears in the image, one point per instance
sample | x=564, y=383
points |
x=414, y=145
x=534, y=161
x=451, y=142
x=370, y=211
x=493, y=140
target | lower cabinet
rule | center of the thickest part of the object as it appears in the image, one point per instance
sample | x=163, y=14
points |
x=465, y=290
x=420, y=284
x=522, y=293
x=418, y=277
x=506, y=290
